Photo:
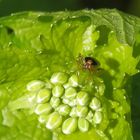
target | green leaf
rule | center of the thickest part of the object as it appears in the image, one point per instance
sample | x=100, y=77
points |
x=39, y=46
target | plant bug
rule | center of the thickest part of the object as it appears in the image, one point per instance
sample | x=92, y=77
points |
x=88, y=63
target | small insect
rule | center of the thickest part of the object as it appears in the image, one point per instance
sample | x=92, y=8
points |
x=88, y=63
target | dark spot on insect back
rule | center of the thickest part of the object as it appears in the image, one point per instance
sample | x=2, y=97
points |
x=90, y=63
x=91, y=60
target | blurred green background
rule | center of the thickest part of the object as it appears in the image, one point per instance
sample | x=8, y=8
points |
x=10, y=6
